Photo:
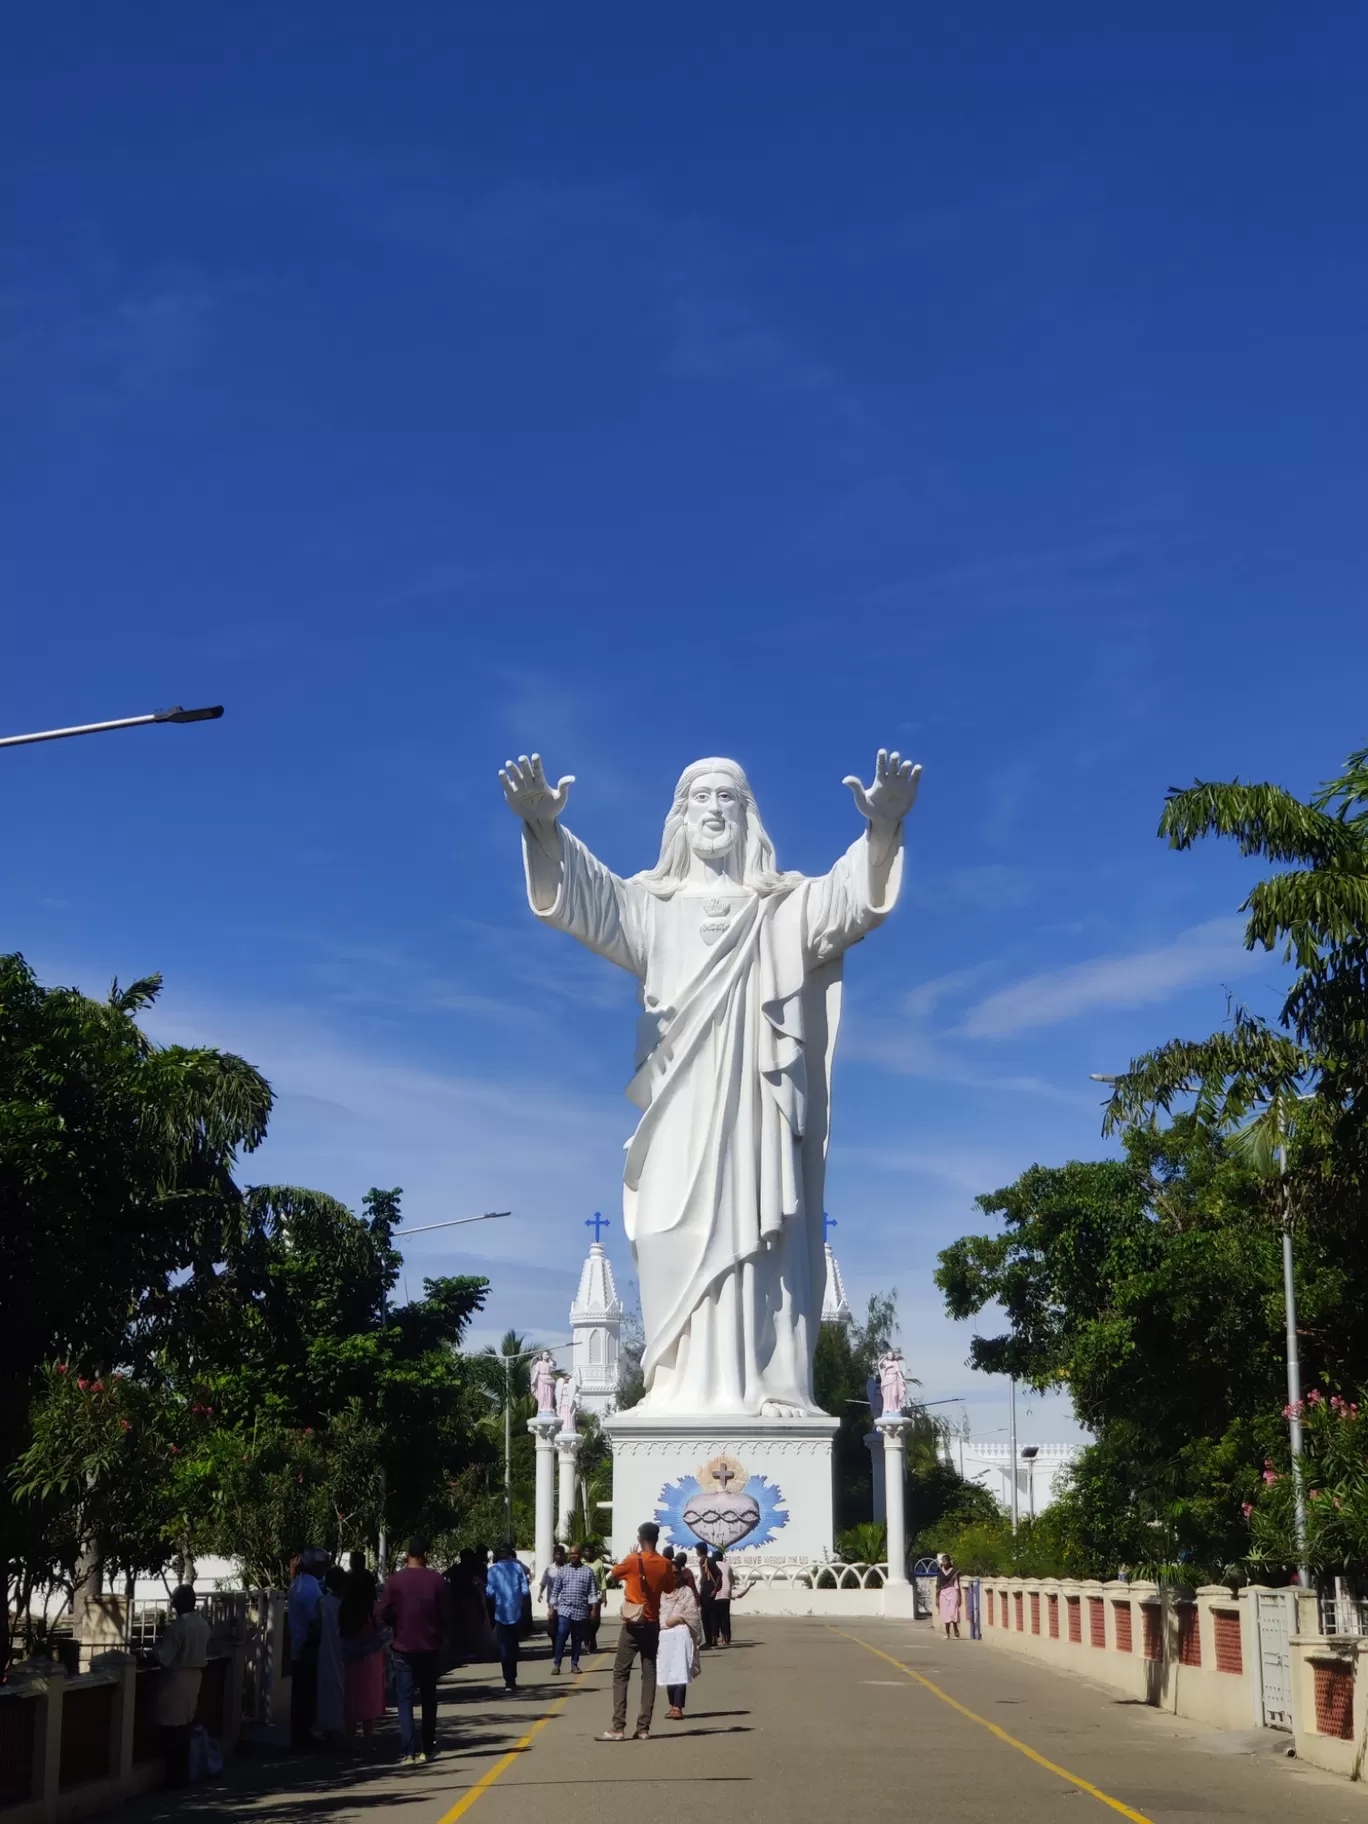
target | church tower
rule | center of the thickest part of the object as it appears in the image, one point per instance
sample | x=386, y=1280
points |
x=596, y=1324
x=835, y=1304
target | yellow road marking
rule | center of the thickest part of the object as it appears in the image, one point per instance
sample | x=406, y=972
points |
x=1137, y=1817
x=501, y=1766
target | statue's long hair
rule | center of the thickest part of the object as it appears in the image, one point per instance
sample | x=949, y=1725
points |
x=759, y=868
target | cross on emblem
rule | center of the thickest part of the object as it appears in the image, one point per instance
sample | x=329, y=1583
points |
x=724, y=1474
x=597, y=1223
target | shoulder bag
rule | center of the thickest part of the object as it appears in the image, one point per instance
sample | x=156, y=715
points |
x=636, y=1611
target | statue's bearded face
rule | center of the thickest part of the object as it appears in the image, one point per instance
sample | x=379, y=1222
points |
x=715, y=818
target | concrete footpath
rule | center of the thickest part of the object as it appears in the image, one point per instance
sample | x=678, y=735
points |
x=800, y=1722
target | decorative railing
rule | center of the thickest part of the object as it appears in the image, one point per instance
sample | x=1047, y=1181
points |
x=815, y=1575
x=1341, y=1611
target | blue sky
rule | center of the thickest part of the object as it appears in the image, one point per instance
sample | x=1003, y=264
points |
x=430, y=384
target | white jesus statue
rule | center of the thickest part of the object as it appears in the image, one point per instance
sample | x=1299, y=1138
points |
x=739, y=968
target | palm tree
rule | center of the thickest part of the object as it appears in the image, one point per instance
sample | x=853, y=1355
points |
x=512, y=1344
x=1304, y=1076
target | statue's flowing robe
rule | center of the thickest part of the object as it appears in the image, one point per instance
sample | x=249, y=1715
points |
x=722, y=1188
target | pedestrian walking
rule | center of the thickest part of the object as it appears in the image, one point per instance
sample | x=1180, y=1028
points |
x=358, y=1568
x=556, y=1565
x=301, y=1609
x=329, y=1711
x=722, y=1600
x=594, y=1554
x=506, y=1591
x=363, y=1643
x=414, y=1603
x=572, y=1591
x=182, y=1653
x=681, y=1635
x=707, y=1593
x=948, y=1595
x=645, y=1577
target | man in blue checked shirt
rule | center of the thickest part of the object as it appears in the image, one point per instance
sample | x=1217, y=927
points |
x=506, y=1589
x=573, y=1592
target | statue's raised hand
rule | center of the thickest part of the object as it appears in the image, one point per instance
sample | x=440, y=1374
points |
x=893, y=792
x=528, y=794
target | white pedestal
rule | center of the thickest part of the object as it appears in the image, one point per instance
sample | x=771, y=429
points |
x=759, y=1488
x=567, y=1452
x=874, y=1444
x=543, y=1429
x=895, y=1432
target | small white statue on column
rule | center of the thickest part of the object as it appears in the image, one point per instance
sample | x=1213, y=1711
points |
x=568, y=1443
x=544, y=1382
x=566, y=1408
x=894, y=1426
x=874, y=1444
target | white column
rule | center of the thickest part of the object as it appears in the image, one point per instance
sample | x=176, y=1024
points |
x=895, y=1432
x=567, y=1452
x=543, y=1429
x=874, y=1444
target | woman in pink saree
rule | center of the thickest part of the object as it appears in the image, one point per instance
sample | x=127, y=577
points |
x=948, y=1596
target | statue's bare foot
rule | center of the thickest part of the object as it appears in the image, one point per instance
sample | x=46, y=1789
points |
x=776, y=1409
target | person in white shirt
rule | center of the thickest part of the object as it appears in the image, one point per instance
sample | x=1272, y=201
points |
x=182, y=1652
x=727, y=1593
x=303, y=1610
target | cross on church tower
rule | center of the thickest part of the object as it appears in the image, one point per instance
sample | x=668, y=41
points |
x=596, y=1325
x=835, y=1304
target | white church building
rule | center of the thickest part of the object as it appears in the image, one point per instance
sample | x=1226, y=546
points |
x=1040, y=1469
x=596, y=1327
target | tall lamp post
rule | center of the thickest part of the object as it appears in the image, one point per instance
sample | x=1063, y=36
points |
x=423, y=1228
x=1012, y=1452
x=1029, y=1453
x=176, y=714
x=1294, y=1424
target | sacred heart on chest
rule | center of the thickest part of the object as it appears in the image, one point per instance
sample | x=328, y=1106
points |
x=716, y=920
x=720, y=1519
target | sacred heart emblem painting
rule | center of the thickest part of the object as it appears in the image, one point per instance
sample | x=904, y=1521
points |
x=721, y=1506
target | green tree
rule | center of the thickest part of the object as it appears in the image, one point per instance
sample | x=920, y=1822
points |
x=1297, y=1085
x=116, y=1163
x=303, y=1331
x=843, y=1365
x=1150, y=1287
x=188, y=1363
x=845, y=1362
x=1304, y=1077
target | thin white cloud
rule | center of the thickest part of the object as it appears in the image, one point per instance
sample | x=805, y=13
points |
x=1204, y=953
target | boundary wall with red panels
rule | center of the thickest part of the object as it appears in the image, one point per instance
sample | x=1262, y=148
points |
x=1197, y=1653
x=1194, y=1655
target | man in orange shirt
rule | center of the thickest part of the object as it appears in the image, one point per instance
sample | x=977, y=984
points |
x=645, y=1577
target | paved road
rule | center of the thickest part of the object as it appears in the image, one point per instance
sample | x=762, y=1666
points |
x=799, y=1723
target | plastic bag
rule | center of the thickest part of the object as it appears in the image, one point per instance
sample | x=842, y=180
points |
x=206, y=1757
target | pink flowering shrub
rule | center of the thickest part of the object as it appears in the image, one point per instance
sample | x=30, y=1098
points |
x=1334, y=1473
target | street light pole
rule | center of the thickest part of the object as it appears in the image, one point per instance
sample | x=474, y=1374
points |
x=425, y=1228
x=508, y=1450
x=1014, y=1457
x=1294, y=1424
x=177, y=714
